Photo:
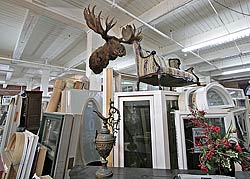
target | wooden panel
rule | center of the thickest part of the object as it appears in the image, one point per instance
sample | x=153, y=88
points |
x=31, y=111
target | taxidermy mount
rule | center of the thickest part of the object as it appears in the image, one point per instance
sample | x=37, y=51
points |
x=113, y=48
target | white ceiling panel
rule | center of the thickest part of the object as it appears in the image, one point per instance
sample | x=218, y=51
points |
x=11, y=20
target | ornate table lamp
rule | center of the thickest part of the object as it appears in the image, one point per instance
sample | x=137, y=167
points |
x=105, y=140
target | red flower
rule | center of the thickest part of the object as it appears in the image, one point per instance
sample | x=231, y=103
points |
x=215, y=129
x=237, y=147
x=202, y=112
x=197, y=143
x=214, y=145
x=210, y=154
x=203, y=167
x=226, y=143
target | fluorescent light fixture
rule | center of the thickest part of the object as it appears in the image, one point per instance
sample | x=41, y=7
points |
x=220, y=40
x=235, y=71
x=232, y=92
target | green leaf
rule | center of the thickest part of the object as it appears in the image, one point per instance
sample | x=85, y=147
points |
x=209, y=166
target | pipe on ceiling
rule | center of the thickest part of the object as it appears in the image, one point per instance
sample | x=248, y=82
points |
x=115, y=5
x=41, y=65
x=224, y=25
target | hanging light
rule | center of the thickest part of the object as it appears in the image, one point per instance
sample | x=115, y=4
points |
x=220, y=40
x=235, y=71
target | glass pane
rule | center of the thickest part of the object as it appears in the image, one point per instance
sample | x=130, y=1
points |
x=137, y=134
x=241, y=103
x=219, y=122
x=242, y=119
x=50, y=135
x=90, y=124
x=235, y=93
x=240, y=126
x=172, y=105
x=190, y=99
x=193, y=135
x=216, y=98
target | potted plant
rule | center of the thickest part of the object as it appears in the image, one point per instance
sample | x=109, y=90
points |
x=218, y=151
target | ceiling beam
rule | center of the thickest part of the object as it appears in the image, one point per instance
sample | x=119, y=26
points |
x=30, y=22
x=53, y=13
x=158, y=11
x=7, y=70
x=30, y=64
x=5, y=85
x=8, y=76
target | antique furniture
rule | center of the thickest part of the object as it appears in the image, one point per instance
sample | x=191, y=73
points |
x=31, y=111
x=152, y=69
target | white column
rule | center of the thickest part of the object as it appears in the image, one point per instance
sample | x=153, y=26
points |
x=208, y=79
x=45, y=82
x=93, y=42
x=29, y=84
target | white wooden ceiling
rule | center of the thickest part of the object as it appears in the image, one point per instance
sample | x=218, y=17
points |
x=11, y=20
x=51, y=35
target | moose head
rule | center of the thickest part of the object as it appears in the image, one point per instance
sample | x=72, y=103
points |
x=113, y=48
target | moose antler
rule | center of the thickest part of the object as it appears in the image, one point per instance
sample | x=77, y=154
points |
x=129, y=34
x=94, y=22
x=113, y=48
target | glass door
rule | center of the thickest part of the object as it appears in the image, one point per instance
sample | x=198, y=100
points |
x=136, y=132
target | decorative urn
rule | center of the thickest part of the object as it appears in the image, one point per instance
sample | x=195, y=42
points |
x=105, y=140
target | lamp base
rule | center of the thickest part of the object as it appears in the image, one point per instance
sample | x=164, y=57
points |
x=104, y=171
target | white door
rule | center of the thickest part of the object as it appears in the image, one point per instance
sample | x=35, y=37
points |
x=136, y=143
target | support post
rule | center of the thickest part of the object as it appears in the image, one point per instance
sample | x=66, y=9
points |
x=45, y=82
x=29, y=84
x=107, y=96
x=93, y=41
